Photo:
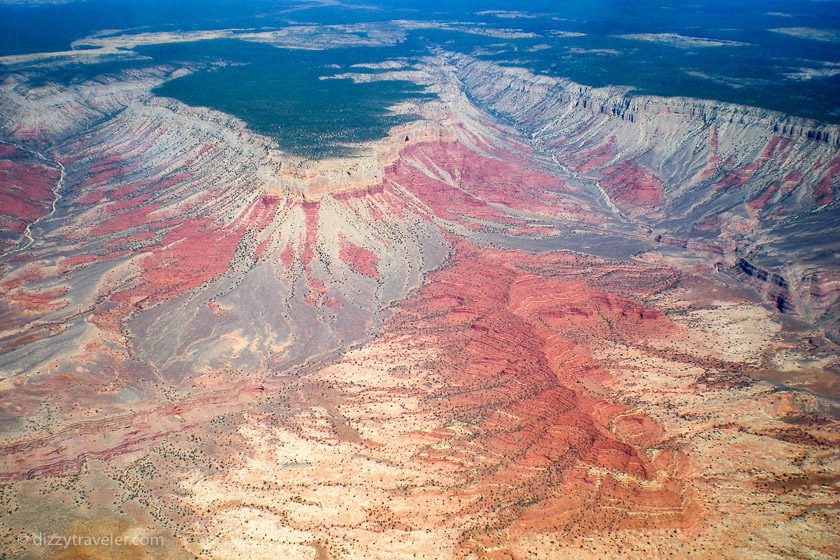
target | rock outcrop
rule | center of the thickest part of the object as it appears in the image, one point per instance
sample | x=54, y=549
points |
x=746, y=182
x=475, y=340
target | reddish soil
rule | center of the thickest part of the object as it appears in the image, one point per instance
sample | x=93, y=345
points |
x=192, y=253
x=593, y=158
x=26, y=185
x=760, y=201
x=460, y=184
x=514, y=328
x=630, y=185
x=360, y=259
x=824, y=192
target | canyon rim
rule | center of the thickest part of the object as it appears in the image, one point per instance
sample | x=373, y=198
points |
x=509, y=280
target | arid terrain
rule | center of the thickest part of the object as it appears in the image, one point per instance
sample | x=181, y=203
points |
x=538, y=319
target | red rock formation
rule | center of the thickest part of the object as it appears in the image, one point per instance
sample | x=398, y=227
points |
x=632, y=186
x=26, y=191
x=513, y=329
x=360, y=259
x=366, y=368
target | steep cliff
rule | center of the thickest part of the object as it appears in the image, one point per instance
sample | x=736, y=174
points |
x=741, y=182
x=471, y=341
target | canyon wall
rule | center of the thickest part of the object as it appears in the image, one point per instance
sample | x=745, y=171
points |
x=474, y=340
x=743, y=184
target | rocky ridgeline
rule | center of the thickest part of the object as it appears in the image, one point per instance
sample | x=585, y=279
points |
x=259, y=355
x=46, y=114
x=747, y=182
x=172, y=214
x=619, y=101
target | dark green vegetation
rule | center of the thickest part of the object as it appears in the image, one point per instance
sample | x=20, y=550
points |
x=289, y=94
x=78, y=73
x=44, y=26
x=726, y=73
x=795, y=75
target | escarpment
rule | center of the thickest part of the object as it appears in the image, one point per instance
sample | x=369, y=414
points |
x=744, y=182
x=512, y=327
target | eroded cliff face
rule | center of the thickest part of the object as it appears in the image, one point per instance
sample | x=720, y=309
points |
x=168, y=210
x=743, y=184
x=466, y=342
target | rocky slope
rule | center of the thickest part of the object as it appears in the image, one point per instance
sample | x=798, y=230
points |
x=753, y=187
x=469, y=342
x=29, y=182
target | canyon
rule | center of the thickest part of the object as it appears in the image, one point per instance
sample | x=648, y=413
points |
x=537, y=320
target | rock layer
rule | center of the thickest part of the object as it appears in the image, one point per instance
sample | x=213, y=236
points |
x=746, y=182
x=477, y=340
